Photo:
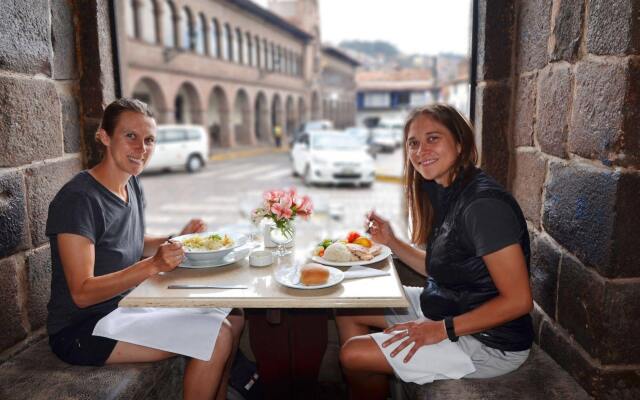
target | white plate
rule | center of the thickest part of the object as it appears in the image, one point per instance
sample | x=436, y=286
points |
x=290, y=277
x=234, y=256
x=384, y=253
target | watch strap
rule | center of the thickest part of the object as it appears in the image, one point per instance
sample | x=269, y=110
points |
x=451, y=332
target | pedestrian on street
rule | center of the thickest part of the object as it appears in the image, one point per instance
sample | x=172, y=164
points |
x=471, y=319
x=99, y=252
x=277, y=134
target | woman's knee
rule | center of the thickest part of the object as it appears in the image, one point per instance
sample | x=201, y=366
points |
x=353, y=353
x=224, y=341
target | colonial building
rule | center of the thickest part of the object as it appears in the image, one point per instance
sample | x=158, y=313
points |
x=231, y=65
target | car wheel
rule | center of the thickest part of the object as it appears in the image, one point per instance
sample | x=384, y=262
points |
x=307, y=176
x=366, y=185
x=194, y=163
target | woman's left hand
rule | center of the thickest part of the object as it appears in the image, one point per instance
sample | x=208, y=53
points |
x=419, y=332
x=196, y=225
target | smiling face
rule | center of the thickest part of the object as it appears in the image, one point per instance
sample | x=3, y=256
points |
x=432, y=149
x=131, y=145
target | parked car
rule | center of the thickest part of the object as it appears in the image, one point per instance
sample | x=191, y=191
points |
x=384, y=139
x=396, y=126
x=364, y=134
x=180, y=146
x=313, y=125
x=332, y=157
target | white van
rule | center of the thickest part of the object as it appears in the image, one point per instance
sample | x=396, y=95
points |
x=180, y=146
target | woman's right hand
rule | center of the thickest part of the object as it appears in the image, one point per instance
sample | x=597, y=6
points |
x=379, y=229
x=168, y=256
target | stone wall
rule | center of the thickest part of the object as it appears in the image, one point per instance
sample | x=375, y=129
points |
x=558, y=111
x=56, y=74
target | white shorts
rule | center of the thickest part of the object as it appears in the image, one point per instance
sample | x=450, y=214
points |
x=487, y=361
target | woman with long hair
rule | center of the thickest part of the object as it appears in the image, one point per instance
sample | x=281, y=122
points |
x=470, y=240
x=99, y=252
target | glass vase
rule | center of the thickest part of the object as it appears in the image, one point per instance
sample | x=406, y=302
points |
x=281, y=236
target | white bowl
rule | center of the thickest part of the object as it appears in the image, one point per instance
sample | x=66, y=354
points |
x=200, y=256
x=261, y=258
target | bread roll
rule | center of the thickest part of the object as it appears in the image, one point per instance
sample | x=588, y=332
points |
x=314, y=274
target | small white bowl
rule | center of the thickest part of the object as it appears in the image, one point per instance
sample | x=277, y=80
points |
x=261, y=258
x=200, y=256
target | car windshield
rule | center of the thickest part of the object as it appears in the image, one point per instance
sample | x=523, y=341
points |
x=336, y=142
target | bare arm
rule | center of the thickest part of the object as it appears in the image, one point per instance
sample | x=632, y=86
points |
x=77, y=254
x=381, y=232
x=509, y=273
x=152, y=243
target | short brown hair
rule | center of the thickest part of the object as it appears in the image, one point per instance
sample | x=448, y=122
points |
x=112, y=113
x=418, y=204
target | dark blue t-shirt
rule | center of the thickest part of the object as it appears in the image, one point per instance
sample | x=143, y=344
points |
x=84, y=207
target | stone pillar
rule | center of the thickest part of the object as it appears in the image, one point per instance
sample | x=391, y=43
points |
x=158, y=15
x=559, y=104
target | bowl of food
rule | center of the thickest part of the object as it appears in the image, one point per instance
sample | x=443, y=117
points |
x=210, y=246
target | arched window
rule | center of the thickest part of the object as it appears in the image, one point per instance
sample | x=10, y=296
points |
x=238, y=51
x=265, y=47
x=278, y=59
x=186, y=29
x=147, y=20
x=250, y=56
x=273, y=64
x=258, y=56
x=230, y=49
x=198, y=37
x=286, y=62
x=214, y=44
x=226, y=42
x=168, y=24
x=130, y=18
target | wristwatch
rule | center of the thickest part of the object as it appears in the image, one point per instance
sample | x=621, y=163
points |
x=451, y=332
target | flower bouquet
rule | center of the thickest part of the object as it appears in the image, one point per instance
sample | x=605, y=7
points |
x=282, y=207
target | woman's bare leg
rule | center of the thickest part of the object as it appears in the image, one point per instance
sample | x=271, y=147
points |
x=236, y=319
x=202, y=379
x=366, y=368
x=363, y=364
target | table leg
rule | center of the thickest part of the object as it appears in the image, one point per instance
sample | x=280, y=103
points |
x=288, y=346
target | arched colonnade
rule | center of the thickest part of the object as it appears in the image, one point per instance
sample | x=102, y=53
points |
x=233, y=114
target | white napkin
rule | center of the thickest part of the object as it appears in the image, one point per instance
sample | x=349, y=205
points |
x=444, y=360
x=188, y=331
x=360, y=271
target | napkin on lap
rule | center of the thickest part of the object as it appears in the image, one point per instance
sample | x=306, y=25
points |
x=360, y=271
x=188, y=331
x=444, y=360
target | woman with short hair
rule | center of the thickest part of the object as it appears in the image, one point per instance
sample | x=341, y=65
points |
x=99, y=252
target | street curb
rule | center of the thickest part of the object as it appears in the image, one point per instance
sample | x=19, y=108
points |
x=389, y=178
x=232, y=155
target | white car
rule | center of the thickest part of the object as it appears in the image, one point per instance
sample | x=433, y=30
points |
x=180, y=146
x=395, y=125
x=332, y=157
x=384, y=139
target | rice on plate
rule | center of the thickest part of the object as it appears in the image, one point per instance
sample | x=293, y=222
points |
x=338, y=252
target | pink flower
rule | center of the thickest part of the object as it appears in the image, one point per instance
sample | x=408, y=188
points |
x=305, y=208
x=281, y=212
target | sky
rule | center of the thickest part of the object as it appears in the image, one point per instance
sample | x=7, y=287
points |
x=413, y=26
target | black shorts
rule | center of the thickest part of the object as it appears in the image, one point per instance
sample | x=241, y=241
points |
x=76, y=345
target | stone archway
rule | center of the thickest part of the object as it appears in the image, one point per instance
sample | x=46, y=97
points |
x=218, y=119
x=241, y=118
x=187, y=105
x=149, y=91
x=261, y=115
x=291, y=117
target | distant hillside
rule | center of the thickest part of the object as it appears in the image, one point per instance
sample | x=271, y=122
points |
x=372, y=48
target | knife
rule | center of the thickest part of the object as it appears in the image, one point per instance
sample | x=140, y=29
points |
x=207, y=287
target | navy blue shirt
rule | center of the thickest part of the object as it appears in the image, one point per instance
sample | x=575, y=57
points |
x=116, y=228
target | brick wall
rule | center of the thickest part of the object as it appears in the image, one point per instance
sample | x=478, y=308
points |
x=558, y=111
x=56, y=74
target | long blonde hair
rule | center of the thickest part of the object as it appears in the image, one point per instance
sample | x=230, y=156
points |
x=418, y=203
